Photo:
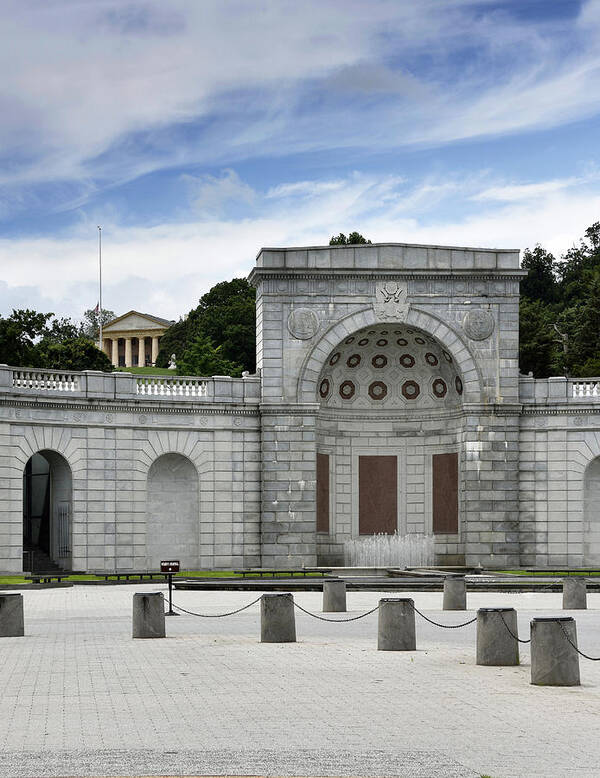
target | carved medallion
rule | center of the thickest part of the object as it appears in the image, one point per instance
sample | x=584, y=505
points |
x=391, y=302
x=303, y=323
x=478, y=324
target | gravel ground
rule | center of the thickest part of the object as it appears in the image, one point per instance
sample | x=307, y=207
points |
x=79, y=697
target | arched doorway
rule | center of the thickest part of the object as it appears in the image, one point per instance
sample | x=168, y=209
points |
x=389, y=438
x=47, y=509
x=172, y=515
x=591, y=521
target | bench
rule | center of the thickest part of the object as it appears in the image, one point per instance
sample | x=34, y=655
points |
x=47, y=577
x=273, y=573
x=130, y=575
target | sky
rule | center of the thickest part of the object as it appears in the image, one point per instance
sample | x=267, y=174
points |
x=196, y=132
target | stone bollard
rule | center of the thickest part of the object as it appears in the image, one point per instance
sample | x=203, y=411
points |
x=396, y=626
x=148, y=615
x=334, y=597
x=11, y=616
x=554, y=661
x=277, y=618
x=455, y=594
x=574, y=593
x=495, y=644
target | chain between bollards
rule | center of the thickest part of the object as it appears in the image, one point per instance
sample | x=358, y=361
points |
x=585, y=656
x=444, y=626
x=334, y=621
x=510, y=632
x=217, y=615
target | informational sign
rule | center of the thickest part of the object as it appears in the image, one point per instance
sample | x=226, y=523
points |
x=169, y=566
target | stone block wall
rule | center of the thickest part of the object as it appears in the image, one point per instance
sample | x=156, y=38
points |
x=288, y=486
x=413, y=444
x=110, y=450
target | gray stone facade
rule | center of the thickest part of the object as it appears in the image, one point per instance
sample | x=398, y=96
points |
x=387, y=350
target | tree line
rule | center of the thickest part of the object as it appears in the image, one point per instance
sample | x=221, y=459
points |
x=559, y=314
x=559, y=323
x=32, y=339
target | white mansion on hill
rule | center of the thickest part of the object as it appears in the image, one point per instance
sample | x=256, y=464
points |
x=387, y=399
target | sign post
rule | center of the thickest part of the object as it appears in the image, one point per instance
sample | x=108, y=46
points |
x=169, y=567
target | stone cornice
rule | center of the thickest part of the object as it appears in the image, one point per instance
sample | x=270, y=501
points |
x=259, y=274
x=274, y=409
x=561, y=409
x=116, y=406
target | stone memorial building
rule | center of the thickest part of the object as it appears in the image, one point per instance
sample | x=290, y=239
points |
x=387, y=399
x=133, y=339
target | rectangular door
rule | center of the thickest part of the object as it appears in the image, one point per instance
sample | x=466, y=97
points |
x=445, y=493
x=378, y=494
x=322, y=492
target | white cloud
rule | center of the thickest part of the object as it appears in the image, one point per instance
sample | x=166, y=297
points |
x=109, y=91
x=520, y=192
x=166, y=268
x=210, y=194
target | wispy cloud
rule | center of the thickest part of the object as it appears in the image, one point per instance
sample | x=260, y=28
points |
x=105, y=92
x=167, y=267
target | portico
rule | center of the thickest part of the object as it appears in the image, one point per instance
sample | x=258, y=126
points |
x=133, y=340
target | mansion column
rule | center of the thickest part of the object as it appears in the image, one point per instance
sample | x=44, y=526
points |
x=115, y=352
x=128, y=358
x=154, y=350
x=141, y=352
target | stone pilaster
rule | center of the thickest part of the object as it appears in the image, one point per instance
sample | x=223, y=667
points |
x=288, y=529
x=491, y=486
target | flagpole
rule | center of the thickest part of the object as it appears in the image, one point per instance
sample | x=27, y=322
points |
x=100, y=342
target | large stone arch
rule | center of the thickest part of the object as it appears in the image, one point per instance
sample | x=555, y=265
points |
x=365, y=317
x=172, y=511
x=591, y=514
x=47, y=511
x=58, y=441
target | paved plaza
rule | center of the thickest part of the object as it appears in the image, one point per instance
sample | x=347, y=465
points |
x=79, y=697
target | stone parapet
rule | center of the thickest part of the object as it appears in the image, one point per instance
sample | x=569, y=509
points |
x=94, y=384
x=558, y=389
x=388, y=256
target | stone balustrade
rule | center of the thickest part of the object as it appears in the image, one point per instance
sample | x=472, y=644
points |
x=43, y=380
x=558, y=389
x=94, y=384
x=155, y=386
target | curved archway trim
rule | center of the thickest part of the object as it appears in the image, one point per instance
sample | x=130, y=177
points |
x=311, y=369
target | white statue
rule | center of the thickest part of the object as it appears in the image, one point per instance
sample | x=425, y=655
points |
x=172, y=363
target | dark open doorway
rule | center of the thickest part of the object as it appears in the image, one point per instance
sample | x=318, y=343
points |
x=47, y=499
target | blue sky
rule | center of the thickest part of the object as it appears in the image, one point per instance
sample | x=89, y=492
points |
x=197, y=131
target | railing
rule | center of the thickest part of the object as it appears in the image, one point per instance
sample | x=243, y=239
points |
x=172, y=387
x=589, y=388
x=44, y=381
x=558, y=389
x=64, y=534
x=128, y=386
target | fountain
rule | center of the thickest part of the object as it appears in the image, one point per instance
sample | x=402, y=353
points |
x=395, y=550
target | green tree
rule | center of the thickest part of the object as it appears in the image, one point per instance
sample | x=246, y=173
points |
x=203, y=358
x=31, y=339
x=226, y=314
x=355, y=238
x=72, y=354
x=578, y=266
x=91, y=322
x=18, y=335
x=540, y=282
x=536, y=338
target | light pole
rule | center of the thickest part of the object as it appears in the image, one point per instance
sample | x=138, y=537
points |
x=100, y=341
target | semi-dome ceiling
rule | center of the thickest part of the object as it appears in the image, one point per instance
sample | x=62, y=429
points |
x=390, y=366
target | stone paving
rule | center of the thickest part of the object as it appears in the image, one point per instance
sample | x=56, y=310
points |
x=79, y=697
